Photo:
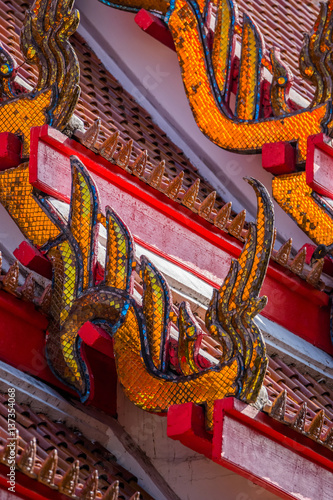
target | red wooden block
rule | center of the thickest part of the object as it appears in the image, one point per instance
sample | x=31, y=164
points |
x=279, y=158
x=154, y=27
x=319, y=164
x=30, y=257
x=186, y=423
x=10, y=150
x=97, y=338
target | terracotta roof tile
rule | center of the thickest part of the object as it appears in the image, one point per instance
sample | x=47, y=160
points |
x=71, y=445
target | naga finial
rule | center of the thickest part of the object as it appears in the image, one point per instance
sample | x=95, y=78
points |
x=141, y=332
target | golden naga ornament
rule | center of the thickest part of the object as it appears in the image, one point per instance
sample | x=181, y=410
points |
x=141, y=332
x=44, y=43
x=207, y=70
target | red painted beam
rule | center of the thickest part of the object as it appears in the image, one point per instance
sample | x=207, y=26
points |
x=292, y=303
x=155, y=27
x=252, y=444
x=97, y=338
x=319, y=164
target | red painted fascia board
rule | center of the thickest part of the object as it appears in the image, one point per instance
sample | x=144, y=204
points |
x=186, y=424
x=269, y=427
x=288, y=294
x=130, y=184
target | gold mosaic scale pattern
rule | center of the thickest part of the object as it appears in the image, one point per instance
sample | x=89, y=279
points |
x=16, y=195
x=295, y=197
x=19, y=115
x=226, y=133
x=154, y=394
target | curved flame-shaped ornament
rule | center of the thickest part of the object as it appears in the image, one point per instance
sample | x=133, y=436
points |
x=207, y=70
x=141, y=332
x=45, y=43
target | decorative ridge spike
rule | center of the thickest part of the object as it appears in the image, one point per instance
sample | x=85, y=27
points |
x=282, y=255
x=313, y=278
x=48, y=469
x=299, y=420
x=316, y=425
x=89, y=490
x=190, y=197
x=278, y=407
x=207, y=205
x=124, y=154
x=328, y=440
x=156, y=175
x=10, y=280
x=109, y=146
x=112, y=492
x=45, y=300
x=90, y=136
x=26, y=462
x=70, y=479
x=222, y=217
x=138, y=167
x=28, y=289
x=172, y=191
x=237, y=225
x=10, y=450
x=297, y=265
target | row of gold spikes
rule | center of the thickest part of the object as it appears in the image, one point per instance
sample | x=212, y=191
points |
x=10, y=283
x=46, y=472
x=297, y=264
x=173, y=188
x=313, y=429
